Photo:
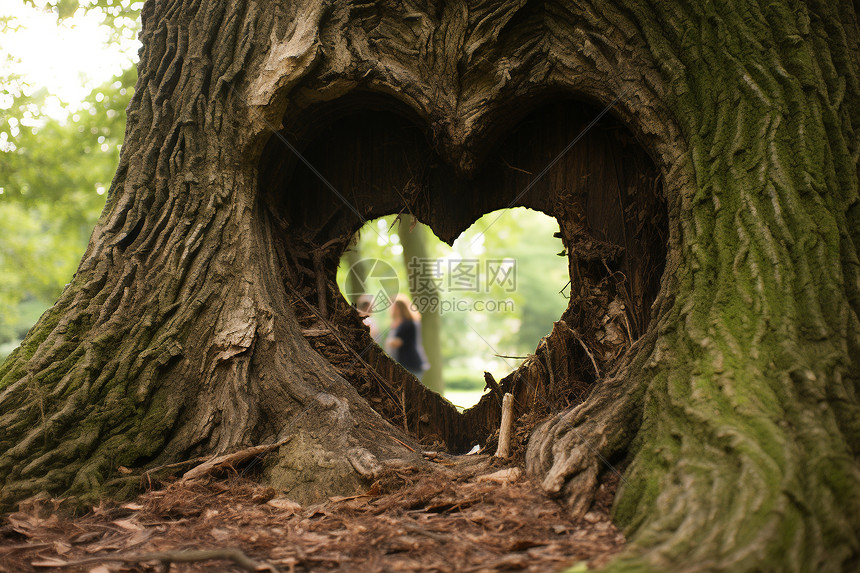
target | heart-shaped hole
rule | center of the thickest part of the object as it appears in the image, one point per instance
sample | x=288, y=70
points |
x=368, y=157
x=480, y=305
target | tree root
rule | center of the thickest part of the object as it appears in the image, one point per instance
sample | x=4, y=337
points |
x=568, y=452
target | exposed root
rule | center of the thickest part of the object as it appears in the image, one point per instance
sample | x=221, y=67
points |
x=568, y=452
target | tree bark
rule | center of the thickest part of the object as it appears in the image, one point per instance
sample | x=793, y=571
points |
x=741, y=416
x=735, y=413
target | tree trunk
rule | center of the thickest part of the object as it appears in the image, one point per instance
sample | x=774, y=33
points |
x=732, y=405
x=176, y=338
x=425, y=295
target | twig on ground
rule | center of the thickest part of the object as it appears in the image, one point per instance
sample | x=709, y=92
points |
x=148, y=473
x=183, y=556
x=226, y=460
x=403, y=443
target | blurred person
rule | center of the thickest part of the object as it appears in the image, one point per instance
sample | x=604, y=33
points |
x=404, y=338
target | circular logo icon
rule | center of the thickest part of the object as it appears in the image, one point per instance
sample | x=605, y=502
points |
x=372, y=284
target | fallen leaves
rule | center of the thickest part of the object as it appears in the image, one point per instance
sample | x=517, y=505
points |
x=476, y=518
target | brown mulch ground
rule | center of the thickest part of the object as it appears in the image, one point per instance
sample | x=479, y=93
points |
x=476, y=516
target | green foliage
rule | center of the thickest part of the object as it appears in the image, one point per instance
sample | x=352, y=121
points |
x=54, y=175
x=120, y=15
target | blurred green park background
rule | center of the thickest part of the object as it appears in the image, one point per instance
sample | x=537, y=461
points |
x=512, y=315
x=67, y=76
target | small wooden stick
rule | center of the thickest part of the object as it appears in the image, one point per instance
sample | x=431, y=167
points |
x=183, y=556
x=219, y=462
x=404, y=443
x=505, y=428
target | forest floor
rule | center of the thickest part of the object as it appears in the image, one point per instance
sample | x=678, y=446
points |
x=481, y=515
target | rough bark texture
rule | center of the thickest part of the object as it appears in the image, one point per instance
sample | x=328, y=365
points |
x=735, y=408
x=746, y=443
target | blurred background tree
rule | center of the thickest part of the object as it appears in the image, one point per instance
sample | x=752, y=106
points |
x=68, y=74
